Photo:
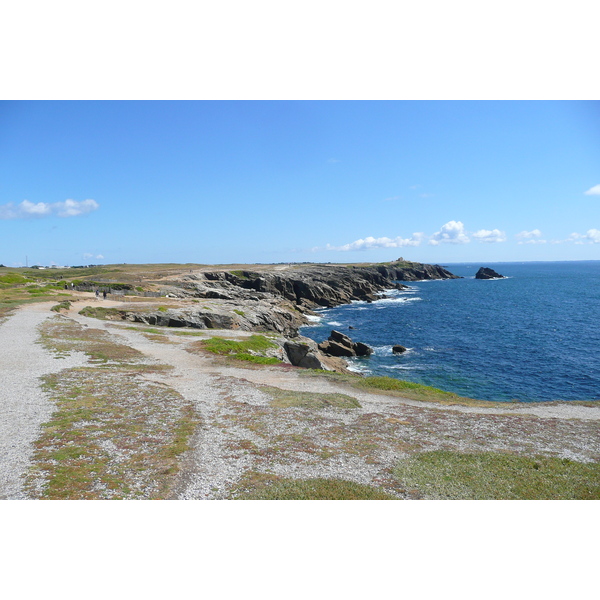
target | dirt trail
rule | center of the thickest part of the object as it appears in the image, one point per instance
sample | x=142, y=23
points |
x=23, y=404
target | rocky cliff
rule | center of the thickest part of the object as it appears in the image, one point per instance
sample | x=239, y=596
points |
x=311, y=286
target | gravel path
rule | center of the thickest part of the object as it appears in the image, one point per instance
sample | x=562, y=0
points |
x=23, y=404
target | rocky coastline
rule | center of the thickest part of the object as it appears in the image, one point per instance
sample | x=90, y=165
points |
x=274, y=301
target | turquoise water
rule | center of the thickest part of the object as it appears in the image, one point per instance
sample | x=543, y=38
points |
x=534, y=336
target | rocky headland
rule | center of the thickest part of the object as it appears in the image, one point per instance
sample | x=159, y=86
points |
x=275, y=299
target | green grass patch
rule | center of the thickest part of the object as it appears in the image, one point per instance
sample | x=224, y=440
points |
x=309, y=489
x=260, y=360
x=256, y=343
x=101, y=312
x=239, y=312
x=250, y=350
x=13, y=278
x=292, y=399
x=397, y=387
x=66, y=305
x=240, y=274
x=496, y=476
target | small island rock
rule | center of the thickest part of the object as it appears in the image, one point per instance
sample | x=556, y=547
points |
x=487, y=273
x=398, y=349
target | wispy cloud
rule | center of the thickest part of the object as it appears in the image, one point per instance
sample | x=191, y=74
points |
x=530, y=237
x=334, y=160
x=593, y=191
x=452, y=232
x=31, y=210
x=592, y=236
x=489, y=236
x=88, y=255
x=525, y=235
x=382, y=242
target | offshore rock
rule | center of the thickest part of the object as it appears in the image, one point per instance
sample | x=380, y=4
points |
x=487, y=273
x=398, y=349
x=339, y=344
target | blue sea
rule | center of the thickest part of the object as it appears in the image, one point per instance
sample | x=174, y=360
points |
x=534, y=336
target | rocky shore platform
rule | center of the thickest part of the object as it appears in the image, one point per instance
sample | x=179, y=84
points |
x=275, y=299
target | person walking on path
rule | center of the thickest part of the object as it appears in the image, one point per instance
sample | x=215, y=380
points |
x=104, y=295
x=97, y=294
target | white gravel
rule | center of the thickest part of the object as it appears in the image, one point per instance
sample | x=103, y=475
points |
x=24, y=406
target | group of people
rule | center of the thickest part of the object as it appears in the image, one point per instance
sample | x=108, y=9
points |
x=98, y=294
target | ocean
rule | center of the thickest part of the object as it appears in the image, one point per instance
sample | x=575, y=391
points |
x=534, y=336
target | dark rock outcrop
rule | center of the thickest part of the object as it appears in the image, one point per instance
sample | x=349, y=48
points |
x=398, y=349
x=303, y=352
x=341, y=345
x=487, y=273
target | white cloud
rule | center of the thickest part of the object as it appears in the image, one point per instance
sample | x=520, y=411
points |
x=89, y=255
x=485, y=235
x=452, y=232
x=526, y=235
x=382, y=242
x=593, y=191
x=530, y=237
x=592, y=236
x=29, y=210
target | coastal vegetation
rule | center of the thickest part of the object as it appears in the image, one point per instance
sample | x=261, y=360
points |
x=265, y=488
x=251, y=349
x=397, y=387
x=448, y=475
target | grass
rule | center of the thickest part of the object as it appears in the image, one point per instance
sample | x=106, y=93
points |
x=114, y=434
x=292, y=399
x=240, y=274
x=255, y=487
x=65, y=305
x=239, y=312
x=16, y=289
x=251, y=349
x=397, y=387
x=101, y=312
x=12, y=278
x=496, y=476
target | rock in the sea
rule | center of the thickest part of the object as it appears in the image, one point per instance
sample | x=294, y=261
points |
x=336, y=349
x=487, y=273
x=398, y=349
x=362, y=349
x=340, y=338
x=341, y=345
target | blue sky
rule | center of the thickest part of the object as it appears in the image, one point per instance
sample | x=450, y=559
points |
x=335, y=181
